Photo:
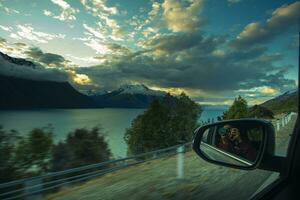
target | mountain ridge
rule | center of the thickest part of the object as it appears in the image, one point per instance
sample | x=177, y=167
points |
x=283, y=103
x=17, y=61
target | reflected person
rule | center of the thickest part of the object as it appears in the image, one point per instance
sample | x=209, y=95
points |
x=241, y=146
x=224, y=142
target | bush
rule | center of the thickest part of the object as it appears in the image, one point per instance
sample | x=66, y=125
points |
x=36, y=154
x=165, y=123
x=33, y=153
x=8, y=170
x=81, y=147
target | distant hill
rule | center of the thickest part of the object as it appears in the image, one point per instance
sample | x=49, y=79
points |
x=286, y=102
x=128, y=96
x=18, y=93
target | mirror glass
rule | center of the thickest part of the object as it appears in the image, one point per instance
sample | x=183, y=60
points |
x=235, y=143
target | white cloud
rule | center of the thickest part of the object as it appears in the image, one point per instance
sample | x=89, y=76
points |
x=154, y=11
x=98, y=8
x=15, y=36
x=182, y=16
x=8, y=10
x=83, y=61
x=26, y=31
x=149, y=31
x=48, y=13
x=67, y=12
x=95, y=38
x=97, y=45
x=6, y=28
x=94, y=32
x=281, y=20
x=99, y=5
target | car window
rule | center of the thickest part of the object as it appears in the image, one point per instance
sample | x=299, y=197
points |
x=101, y=99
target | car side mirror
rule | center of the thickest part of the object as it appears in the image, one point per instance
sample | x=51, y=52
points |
x=243, y=144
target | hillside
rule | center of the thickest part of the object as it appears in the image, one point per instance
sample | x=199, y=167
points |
x=286, y=102
x=19, y=93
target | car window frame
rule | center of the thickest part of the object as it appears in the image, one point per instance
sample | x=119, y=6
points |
x=286, y=173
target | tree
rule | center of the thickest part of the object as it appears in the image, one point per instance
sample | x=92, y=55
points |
x=237, y=110
x=33, y=153
x=165, y=123
x=81, y=147
x=258, y=111
x=8, y=170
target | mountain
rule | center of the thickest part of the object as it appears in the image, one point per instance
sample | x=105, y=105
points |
x=18, y=93
x=128, y=96
x=18, y=61
x=286, y=102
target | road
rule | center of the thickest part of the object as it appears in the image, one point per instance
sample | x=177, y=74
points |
x=157, y=180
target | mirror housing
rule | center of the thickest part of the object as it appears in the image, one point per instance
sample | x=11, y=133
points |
x=265, y=154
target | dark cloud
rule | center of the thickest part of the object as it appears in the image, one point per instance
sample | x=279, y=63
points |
x=20, y=44
x=116, y=48
x=192, y=66
x=2, y=40
x=33, y=73
x=173, y=42
x=49, y=59
x=256, y=33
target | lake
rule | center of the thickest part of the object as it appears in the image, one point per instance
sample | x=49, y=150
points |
x=113, y=121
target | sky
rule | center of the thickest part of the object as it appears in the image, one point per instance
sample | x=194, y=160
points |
x=213, y=50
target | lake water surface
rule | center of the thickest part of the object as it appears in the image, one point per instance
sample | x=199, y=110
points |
x=113, y=121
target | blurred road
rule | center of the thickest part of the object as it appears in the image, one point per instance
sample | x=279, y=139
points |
x=157, y=179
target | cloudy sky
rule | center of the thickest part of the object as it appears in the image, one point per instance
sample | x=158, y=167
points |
x=213, y=50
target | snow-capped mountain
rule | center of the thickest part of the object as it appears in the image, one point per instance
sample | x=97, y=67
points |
x=128, y=96
x=139, y=89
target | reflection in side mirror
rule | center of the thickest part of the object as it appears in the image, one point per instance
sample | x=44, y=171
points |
x=235, y=143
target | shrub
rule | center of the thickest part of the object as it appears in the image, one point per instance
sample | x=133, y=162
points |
x=8, y=170
x=33, y=152
x=165, y=123
x=81, y=147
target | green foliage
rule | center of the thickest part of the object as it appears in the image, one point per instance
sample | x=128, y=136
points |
x=165, y=123
x=237, y=110
x=260, y=112
x=8, y=171
x=33, y=153
x=81, y=147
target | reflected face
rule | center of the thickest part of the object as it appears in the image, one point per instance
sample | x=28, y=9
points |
x=234, y=134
